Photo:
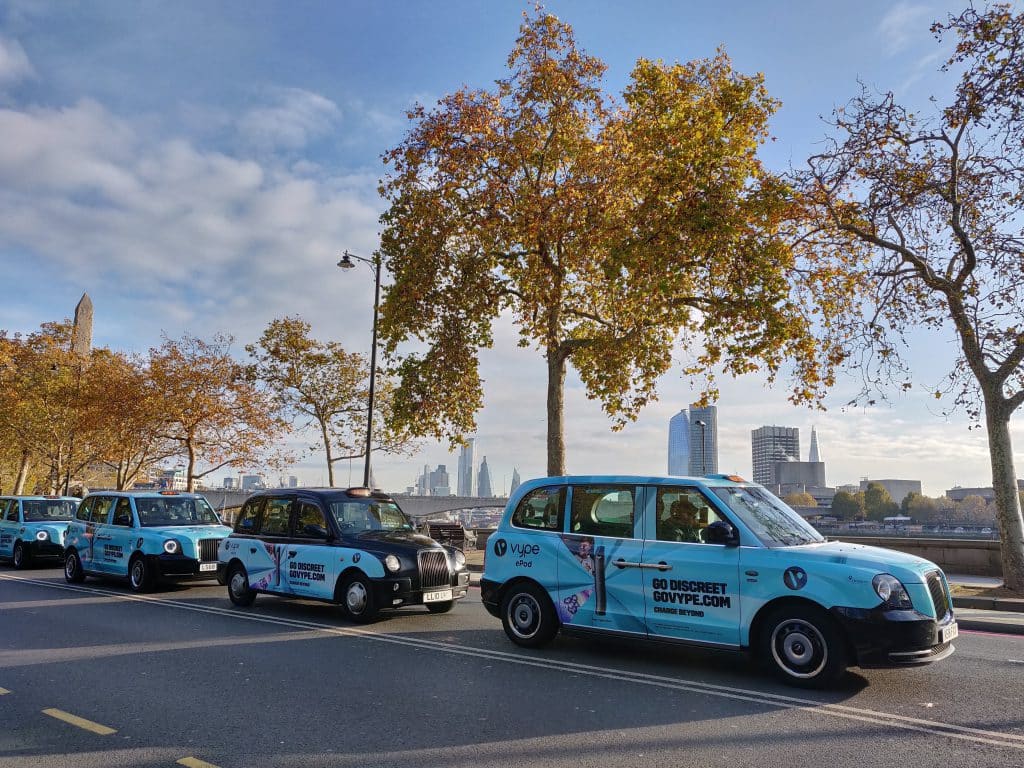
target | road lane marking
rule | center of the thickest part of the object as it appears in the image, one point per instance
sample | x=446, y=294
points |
x=195, y=762
x=753, y=696
x=80, y=722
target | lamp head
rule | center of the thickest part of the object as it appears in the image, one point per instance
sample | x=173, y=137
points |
x=346, y=261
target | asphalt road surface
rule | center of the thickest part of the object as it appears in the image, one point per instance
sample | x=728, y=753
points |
x=92, y=675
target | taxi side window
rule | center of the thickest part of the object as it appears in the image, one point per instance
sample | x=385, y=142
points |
x=101, y=509
x=85, y=509
x=275, y=517
x=542, y=509
x=682, y=515
x=248, y=518
x=310, y=522
x=123, y=513
x=603, y=511
x=12, y=510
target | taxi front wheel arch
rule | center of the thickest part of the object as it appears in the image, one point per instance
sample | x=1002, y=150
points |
x=527, y=615
x=140, y=574
x=239, y=591
x=73, y=571
x=355, y=593
x=802, y=646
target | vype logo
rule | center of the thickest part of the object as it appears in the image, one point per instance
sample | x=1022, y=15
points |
x=500, y=547
x=795, y=578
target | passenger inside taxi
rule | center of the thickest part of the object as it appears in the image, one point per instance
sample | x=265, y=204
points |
x=682, y=523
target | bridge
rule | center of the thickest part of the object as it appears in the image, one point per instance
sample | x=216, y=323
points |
x=414, y=506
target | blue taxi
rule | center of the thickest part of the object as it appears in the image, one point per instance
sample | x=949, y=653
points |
x=354, y=547
x=34, y=527
x=144, y=537
x=711, y=561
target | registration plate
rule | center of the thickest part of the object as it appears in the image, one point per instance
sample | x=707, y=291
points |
x=207, y=567
x=437, y=596
x=948, y=633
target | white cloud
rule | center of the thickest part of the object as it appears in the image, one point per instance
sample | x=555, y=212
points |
x=297, y=118
x=904, y=23
x=14, y=63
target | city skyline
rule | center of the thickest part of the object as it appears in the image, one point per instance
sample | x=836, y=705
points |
x=204, y=193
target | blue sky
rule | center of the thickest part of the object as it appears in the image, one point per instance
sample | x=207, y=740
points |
x=199, y=166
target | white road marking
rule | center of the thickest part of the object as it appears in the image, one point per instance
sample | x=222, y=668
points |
x=860, y=714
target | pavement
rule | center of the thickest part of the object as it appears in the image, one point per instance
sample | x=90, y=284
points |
x=979, y=614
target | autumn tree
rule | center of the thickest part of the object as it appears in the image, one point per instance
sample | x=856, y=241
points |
x=930, y=203
x=210, y=409
x=608, y=232
x=800, y=499
x=322, y=386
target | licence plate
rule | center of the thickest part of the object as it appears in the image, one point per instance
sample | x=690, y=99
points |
x=948, y=633
x=207, y=567
x=437, y=596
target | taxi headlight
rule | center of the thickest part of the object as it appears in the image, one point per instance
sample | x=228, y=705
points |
x=892, y=591
x=42, y=535
x=460, y=558
x=171, y=547
x=392, y=563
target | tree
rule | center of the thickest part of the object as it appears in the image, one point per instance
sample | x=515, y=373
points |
x=800, y=499
x=848, y=506
x=215, y=415
x=921, y=509
x=606, y=232
x=323, y=386
x=930, y=205
x=878, y=504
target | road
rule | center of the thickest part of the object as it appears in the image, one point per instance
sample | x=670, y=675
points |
x=181, y=677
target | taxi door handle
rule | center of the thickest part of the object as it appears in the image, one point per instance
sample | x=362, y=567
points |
x=662, y=566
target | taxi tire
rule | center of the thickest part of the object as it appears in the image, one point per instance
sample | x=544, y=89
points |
x=444, y=607
x=528, y=616
x=140, y=575
x=243, y=598
x=19, y=556
x=73, y=571
x=791, y=632
x=356, y=588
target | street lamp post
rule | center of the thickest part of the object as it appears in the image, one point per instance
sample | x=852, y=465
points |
x=703, y=461
x=346, y=263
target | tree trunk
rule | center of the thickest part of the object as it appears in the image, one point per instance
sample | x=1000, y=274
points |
x=327, y=450
x=1004, y=482
x=191, y=468
x=19, y=481
x=556, y=428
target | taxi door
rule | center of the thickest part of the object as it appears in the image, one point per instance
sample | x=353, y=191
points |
x=97, y=534
x=604, y=588
x=121, y=536
x=312, y=563
x=691, y=587
x=8, y=526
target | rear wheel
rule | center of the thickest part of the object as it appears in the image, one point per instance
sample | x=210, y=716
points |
x=20, y=558
x=803, y=647
x=443, y=607
x=528, y=616
x=356, y=597
x=73, y=571
x=239, y=591
x=140, y=575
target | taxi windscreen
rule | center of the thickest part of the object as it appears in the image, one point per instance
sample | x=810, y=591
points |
x=355, y=516
x=175, y=511
x=774, y=523
x=48, y=510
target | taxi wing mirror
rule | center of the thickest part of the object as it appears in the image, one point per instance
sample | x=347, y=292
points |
x=721, y=532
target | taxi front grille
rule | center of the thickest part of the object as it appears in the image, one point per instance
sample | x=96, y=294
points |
x=937, y=589
x=434, y=569
x=208, y=550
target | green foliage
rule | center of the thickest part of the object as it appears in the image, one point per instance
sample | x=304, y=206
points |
x=848, y=506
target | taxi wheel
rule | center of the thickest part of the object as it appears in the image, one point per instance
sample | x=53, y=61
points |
x=444, y=607
x=528, y=616
x=239, y=591
x=140, y=575
x=356, y=598
x=20, y=557
x=803, y=647
x=73, y=571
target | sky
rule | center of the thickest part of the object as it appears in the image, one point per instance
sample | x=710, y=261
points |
x=199, y=167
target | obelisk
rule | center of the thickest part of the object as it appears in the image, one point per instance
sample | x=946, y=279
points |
x=81, y=331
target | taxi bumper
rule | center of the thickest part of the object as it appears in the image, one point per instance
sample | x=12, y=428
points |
x=894, y=638
x=181, y=568
x=40, y=549
x=396, y=592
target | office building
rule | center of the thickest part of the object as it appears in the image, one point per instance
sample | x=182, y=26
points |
x=516, y=481
x=253, y=482
x=465, y=479
x=679, y=444
x=229, y=483
x=703, y=440
x=439, y=485
x=815, y=456
x=771, y=445
x=898, y=489
x=483, y=481
x=173, y=480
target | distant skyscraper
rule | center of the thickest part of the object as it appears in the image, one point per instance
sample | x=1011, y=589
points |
x=516, y=482
x=769, y=445
x=439, y=485
x=703, y=440
x=814, y=457
x=483, y=481
x=679, y=444
x=465, y=479
x=293, y=481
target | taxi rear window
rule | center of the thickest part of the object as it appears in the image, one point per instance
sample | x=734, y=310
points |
x=542, y=509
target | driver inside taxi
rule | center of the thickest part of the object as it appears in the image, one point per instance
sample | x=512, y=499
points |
x=682, y=524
